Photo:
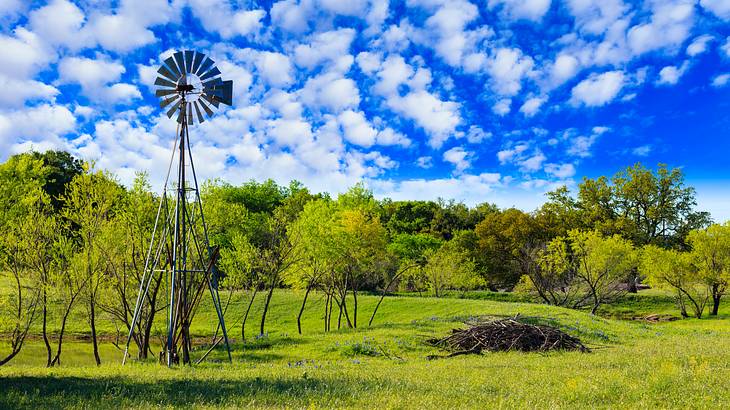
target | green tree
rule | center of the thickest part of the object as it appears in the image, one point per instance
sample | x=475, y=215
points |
x=676, y=271
x=450, y=268
x=711, y=253
x=601, y=263
x=89, y=205
x=501, y=236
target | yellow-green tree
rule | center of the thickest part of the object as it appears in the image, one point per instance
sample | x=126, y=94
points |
x=711, y=254
x=676, y=271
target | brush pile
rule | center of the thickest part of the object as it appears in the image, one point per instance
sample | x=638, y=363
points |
x=505, y=335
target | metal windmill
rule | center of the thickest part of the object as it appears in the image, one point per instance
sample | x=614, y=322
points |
x=179, y=248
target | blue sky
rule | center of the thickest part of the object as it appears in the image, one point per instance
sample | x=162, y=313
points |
x=497, y=100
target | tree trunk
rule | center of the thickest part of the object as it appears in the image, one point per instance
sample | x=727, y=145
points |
x=92, y=322
x=266, y=308
x=10, y=356
x=45, y=328
x=354, y=308
x=245, y=315
x=715, y=302
x=301, y=310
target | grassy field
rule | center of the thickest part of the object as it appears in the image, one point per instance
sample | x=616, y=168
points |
x=634, y=364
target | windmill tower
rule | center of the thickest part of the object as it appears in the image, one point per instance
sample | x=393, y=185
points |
x=179, y=249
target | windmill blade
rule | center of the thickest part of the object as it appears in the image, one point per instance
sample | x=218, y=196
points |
x=173, y=108
x=167, y=73
x=180, y=59
x=164, y=103
x=189, y=60
x=196, y=62
x=205, y=66
x=170, y=62
x=162, y=81
x=212, y=73
x=210, y=99
x=190, y=113
x=206, y=108
x=226, y=89
x=201, y=119
x=210, y=83
x=163, y=92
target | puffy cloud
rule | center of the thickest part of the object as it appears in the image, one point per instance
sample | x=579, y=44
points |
x=670, y=75
x=502, y=107
x=16, y=92
x=94, y=75
x=275, y=68
x=596, y=16
x=699, y=45
x=726, y=47
x=532, y=105
x=523, y=9
x=472, y=189
x=439, y=118
x=507, y=67
x=330, y=91
x=563, y=69
x=460, y=158
x=324, y=47
x=357, y=129
x=641, y=151
x=448, y=24
x=23, y=54
x=721, y=80
x=41, y=126
x=598, y=90
x=670, y=25
x=217, y=16
x=509, y=155
x=290, y=16
x=60, y=23
x=475, y=135
x=424, y=162
x=561, y=171
x=532, y=163
x=721, y=8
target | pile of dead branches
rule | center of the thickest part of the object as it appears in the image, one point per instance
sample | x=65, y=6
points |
x=506, y=335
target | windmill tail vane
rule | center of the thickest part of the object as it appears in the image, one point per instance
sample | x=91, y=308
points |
x=179, y=250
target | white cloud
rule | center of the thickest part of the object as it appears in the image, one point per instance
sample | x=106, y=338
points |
x=472, y=189
x=390, y=137
x=290, y=16
x=502, y=107
x=507, y=67
x=726, y=47
x=23, y=54
x=60, y=23
x=598, y=90
x=561, y=171
x=563, y=69
x=16, y=92
x=324, y=47
x=670, y=75
x=448, y=25
x=699, y=45
x=641, y=151
x=476, y=135
x=217, y=16
x=460, y=158
x=532, y=105
x=41, y=126
x=94, y=77
x=275, y=68
x=721, y=8
x=532, y=163
x=670, y=24
x=424, y=162
x=596, y=16
x=439, y=118
x=523, y=9
x=510, y=155
x=357, y=129
x=330, y=91
x=721, y=80
x=290, y=132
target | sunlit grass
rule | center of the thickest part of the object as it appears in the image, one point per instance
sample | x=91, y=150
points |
x=634, y=364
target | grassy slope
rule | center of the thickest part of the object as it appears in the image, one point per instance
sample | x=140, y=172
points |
x=682, y=364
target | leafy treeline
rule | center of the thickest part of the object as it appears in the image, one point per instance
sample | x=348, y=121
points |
x=72, y=239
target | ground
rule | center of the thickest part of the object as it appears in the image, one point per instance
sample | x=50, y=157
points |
x=684, y=363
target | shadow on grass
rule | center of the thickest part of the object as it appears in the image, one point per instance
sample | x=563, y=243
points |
x=115, y=392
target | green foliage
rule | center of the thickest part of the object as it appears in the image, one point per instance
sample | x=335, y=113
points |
x=674, y=270
x=711, y=254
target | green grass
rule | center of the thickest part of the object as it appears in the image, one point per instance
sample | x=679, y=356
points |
x=634, y=364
